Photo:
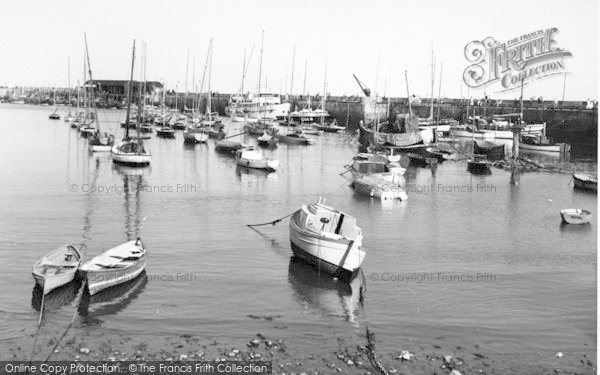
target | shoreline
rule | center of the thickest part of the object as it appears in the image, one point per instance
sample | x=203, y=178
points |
x=346, y=354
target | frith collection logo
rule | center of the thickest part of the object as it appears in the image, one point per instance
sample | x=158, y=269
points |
x=526, y=58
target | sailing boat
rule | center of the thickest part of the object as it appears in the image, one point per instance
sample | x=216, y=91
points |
x=97, y=142
x=166, y=130
x=69, y=116
x=87, y=127
x=195, y=133
x=54, y=115
x=131, y=151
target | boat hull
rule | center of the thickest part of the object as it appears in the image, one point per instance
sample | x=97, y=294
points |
x=477, y=167
x=165, y=133
x=50, y=275
x=379, y=189
x=294, y=140
x=130, y=158
x=48, y=284
x=190, y=137
x=98, y=281
x=583, y=182
x=574, y=216
x=467, y=134
x=336, y=257
x=267, y=165
x=530, y=129
x=541, y=148
x=100, y=148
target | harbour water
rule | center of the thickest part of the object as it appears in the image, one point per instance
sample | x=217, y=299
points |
x=468, y=260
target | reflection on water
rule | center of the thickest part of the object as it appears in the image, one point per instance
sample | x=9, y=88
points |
x=133, y=184
x=242, y=172
x=87, y=218
x=318, y=292
x=574, y=228
x=56, y=298
x=112, y=300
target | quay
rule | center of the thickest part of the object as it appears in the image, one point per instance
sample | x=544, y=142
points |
x=566, y=121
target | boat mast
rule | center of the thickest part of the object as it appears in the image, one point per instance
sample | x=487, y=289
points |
x=209, y=76
x=324, y=92
x=163, y=103
x=439, y=95
x=260, y=103
x=69, y=80
x=187, y=63
x=143, y=93
x=194, y=86
x=89, y=65
x=432, y=81
x=129, y=94
x=262, y=39
x=408, y=93
x=293, y=66
x=304, y=85
x=204, y=74
x=85, y=103
x=243, y=73
x=522, y=81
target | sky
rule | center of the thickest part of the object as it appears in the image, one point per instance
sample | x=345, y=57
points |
x=376, y=40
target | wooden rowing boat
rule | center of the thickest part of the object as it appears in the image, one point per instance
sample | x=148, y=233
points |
x=116, y=266
x=57, y=268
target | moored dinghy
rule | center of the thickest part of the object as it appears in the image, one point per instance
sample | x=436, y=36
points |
x=327, y=238
x=585, y=181
x=575, y=216
x=57, y=268
x=115, y=266
x=250, y=158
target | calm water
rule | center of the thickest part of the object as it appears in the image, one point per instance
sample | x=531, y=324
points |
x=207, y=272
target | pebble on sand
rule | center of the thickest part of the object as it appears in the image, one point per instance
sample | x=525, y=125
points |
x=559, y=355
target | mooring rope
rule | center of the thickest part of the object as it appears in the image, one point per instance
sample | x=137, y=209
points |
x=271, y=222
x=37, y=332
x=376, y=363
x=80, y=295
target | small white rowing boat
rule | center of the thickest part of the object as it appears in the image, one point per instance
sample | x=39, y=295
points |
x=575, y=216
x=57, y=268
x=115, y=266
